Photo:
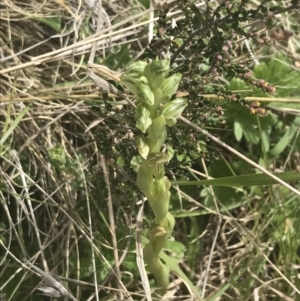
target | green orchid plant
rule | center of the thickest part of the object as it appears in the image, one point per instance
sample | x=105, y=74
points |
x=154, y=112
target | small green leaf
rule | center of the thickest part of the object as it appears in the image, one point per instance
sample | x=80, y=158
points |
x=142, y=117
x=251, y=134
x=238, y=131
x=265, y=141
x=176, y=247
x=57, y=156
x=286, y=139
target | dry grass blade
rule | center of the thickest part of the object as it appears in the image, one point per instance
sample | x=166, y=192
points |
x=112, y=222
x=59, y=289
x=139, y=254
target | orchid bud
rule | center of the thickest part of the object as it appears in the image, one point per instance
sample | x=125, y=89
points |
x=156, y=72
x=142, y=117
x=145, y=182
x=170, y=86
x=130, y=82
x=144, y=93
x=139, y=87
x=173, y=109
x=135, y=69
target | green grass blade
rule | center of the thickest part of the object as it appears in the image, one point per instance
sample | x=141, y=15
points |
x=172, y=263
x=223, y=289
x=244, y=180
x=13, y=126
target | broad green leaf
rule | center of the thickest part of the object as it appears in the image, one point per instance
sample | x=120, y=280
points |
x=237, y=84
x=247, y=122
x=277, y=72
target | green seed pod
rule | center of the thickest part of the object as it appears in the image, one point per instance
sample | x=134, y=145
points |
x=139, y=87
x=142, y=117
x=157, y=133
x=160, y=271
x=156, y=72
x=160, y=204
x=145, y=182
x=174, y=108
x=170, y=86
x=135, y=69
